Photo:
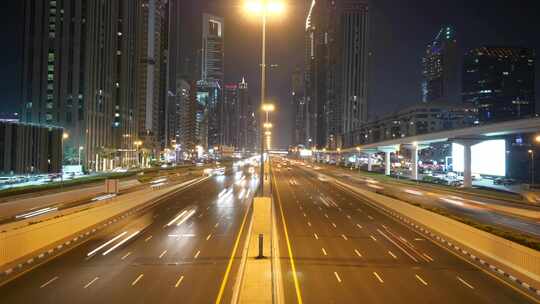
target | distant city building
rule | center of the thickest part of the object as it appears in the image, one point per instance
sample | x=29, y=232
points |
x=149, y=73
x=354, y=41
x=298, y=114
x=500, y=81
x=78, y=67
x=416, y=120
x=230, y=115
x=441, y=68
x=212, y=74
x=247, y=123
x=189, y=121
x=30, y=148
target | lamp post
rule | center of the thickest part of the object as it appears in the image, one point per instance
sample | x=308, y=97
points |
x=263, y=8
x=531, y=166
x=80, y=150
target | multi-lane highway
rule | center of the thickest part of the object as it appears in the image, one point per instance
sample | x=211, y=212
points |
x=180, y=251
x=511, y=216
x=345, y=251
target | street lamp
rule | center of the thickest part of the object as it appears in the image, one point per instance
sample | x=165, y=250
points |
x=267, y=125
x=531, y=154
x=264, y=9
x=80, y=150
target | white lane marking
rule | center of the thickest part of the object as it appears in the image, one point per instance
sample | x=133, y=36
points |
x=359, y=226
x=370, y=217
x=105, y=244
x=337, y=277
x=197, y=254
x=179, y=282
x=208, y=236
x=378, y=277
x=121, y=242
x=186, y=217
x=324, y=251
x=392, y=254
x=397, y=245
x=126, y=255
x=216, y=225
x=326, y=215
x=148, y=239
x=48, y=282
x=465, y=283
x=421, y=280
x=137, y=279
x=162, y=254
x=309, y=224
x=428, y=257
x=176, y=218
x=334, y=224
x=344, y=237
x=316, y=236
x=91, y=282
x=305, y=215
x=357, y=253
x=373, y=238
x=348, y=216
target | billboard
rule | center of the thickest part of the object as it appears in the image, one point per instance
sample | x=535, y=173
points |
x=488, y=157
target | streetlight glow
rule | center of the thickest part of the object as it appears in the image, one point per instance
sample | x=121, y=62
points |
x=537, y=139
x=267, y=133
x=268, y=107
x=267, y=125
x=268, y=7
x=65, y=135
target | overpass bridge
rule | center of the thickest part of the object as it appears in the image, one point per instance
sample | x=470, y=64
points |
x=467, y=137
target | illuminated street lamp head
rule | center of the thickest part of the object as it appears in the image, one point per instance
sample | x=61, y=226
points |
x=268, y=107
x=267, y=133
x=358, y=149
x=267, y=125
x=530, y=151
x=65, y=135
x=537, y=139
x=267, y=7
x=137, y=143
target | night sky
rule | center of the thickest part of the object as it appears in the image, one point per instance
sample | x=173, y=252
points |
x=400, y=31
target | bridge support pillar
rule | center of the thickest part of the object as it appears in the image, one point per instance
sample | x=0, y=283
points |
x=387, y=162
x=414, y=162
x=467, y=171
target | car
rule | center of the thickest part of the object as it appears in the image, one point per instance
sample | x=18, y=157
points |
x=504, y=181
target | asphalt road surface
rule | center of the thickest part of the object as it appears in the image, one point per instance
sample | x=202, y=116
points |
x=344, y=251
x=177, y=252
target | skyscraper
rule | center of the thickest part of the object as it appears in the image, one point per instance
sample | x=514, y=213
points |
x=499, y=82
x=230, y=115
x=212, y=73
x=247, y=123
x=149, y=72
x=79, y=63
x=354, y=43
x=441, y=68
x=298, y=114
x=322, y=66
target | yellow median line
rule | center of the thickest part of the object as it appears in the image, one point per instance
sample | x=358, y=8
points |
x=295, y=278
x=229, y=265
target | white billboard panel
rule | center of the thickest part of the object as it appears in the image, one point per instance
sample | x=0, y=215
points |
x=488, y=157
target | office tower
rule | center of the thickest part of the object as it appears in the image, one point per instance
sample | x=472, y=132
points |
x=212, y=71
x=441, y=68
x=149, y=73
x=354, y=32
x=230, y=115
x=188, y=121
x=499, y=82
x=321, y=71
x=298, y=109
x=247, y=123
x=78, y=72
